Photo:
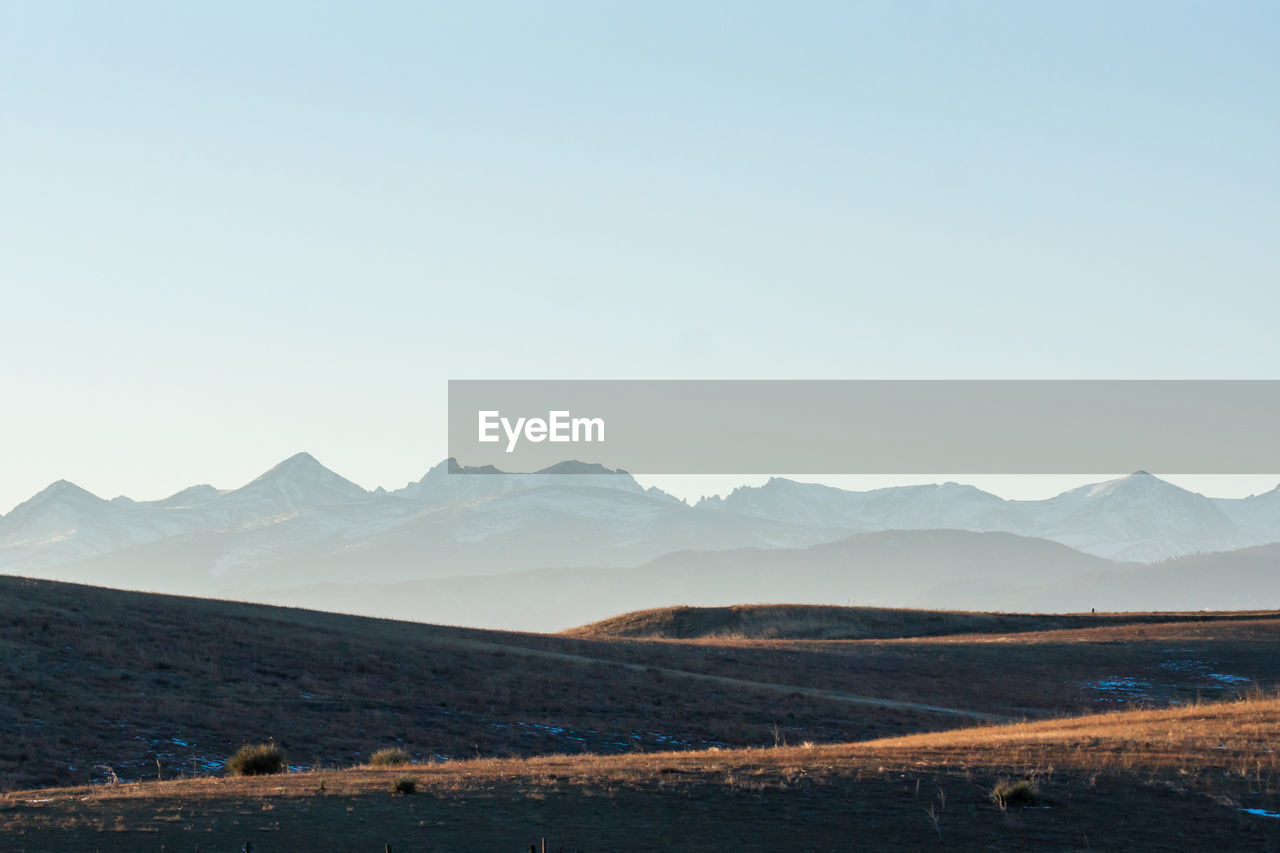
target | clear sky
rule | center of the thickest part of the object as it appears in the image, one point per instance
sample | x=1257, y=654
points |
x=232, y=231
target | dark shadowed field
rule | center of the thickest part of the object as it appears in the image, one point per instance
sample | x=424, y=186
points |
x=1194, y=778
x=596, y=741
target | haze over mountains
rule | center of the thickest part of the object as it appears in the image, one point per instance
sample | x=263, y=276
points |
x=1139, y=517
x=580, y=542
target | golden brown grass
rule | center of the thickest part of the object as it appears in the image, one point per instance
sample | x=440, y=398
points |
x=1171, y=778
x=1220, y=735
x=1238, y=734
x=392, y=756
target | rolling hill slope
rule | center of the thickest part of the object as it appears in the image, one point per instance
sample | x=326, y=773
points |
x=142, y=684
x=812, y=622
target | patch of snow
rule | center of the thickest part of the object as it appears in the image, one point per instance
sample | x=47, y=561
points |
x=1227, y=679
x=1120, y=685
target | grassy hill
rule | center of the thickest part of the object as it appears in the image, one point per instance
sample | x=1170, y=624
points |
x=817, y=622
x=1204, y=776
x=102, y=683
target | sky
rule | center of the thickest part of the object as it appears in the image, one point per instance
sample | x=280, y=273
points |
x=231, y=232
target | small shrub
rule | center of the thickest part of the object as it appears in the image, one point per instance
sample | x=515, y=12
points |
x=256, y=759
x=1009, y=793
x=390, y=757
x=404, y=785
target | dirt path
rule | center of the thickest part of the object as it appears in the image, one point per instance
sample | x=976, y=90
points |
x=817, y=693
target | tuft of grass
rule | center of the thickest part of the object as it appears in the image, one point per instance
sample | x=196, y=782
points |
x=256, y=759
x=404, y=785
x=390, y=757
x=1020, y=792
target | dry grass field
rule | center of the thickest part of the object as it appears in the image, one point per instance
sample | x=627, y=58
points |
x=594, y=741
x=1198, y=777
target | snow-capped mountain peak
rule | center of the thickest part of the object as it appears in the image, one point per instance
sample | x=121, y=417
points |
x=63, y=491
x=1139, y=483
x=1137, y=517
x=448, y=482
x=946, y=505
x=60, y=507
x=296, y=483
x=61, y=494
x=299, y=466
x=1257, y=514
x=573, y=467
x=191, y=496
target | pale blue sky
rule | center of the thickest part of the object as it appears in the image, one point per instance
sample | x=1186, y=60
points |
x=231, y=231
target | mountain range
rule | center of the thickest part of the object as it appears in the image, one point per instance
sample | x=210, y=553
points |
x=1139, y=517
x=302, y=534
